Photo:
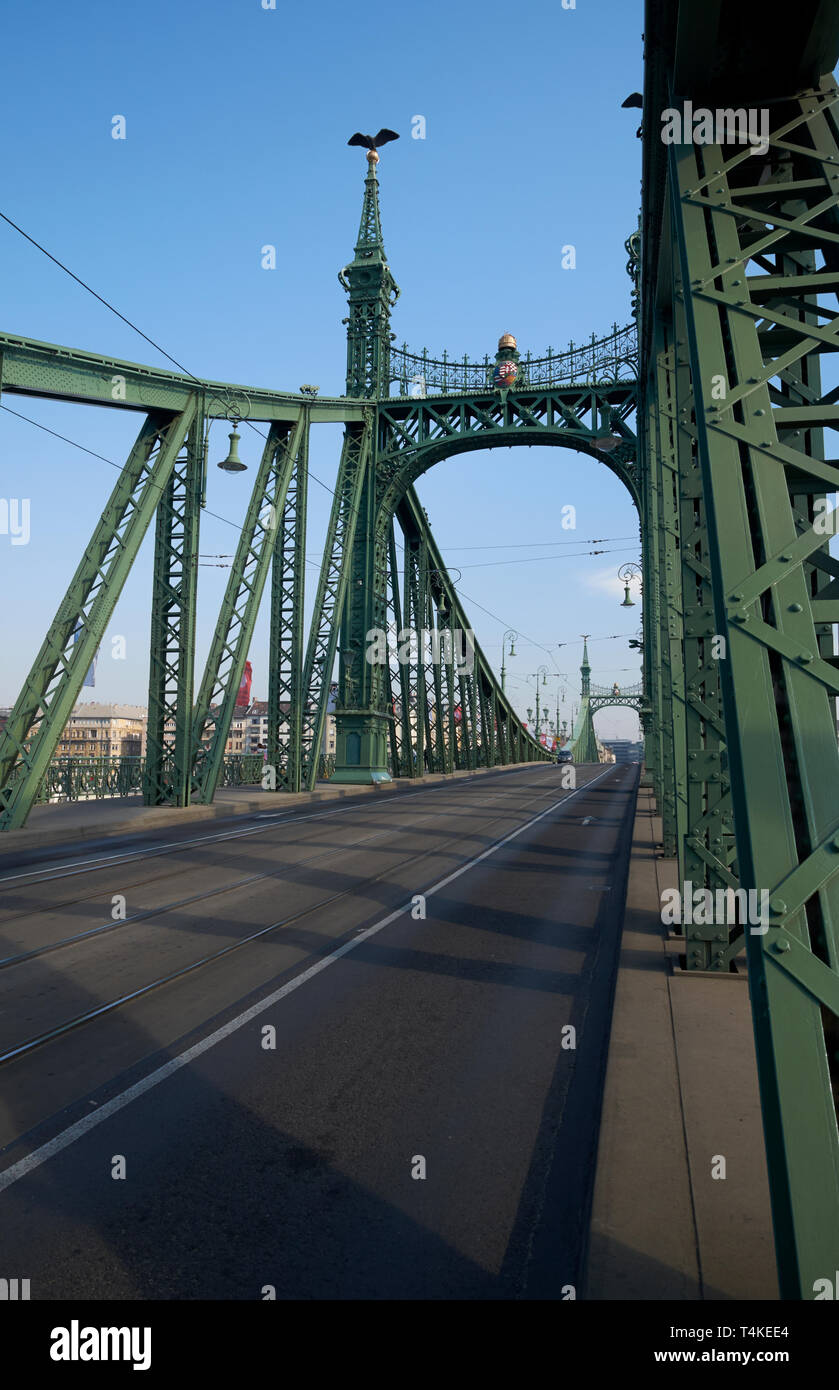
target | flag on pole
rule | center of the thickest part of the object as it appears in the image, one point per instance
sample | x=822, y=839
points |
x=243, y=699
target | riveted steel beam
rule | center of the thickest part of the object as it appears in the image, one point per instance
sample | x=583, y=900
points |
x=331, y=597
x=738, y=213
x=288, y=588
x=232, y=637
x=168, y=765
x=55, y=681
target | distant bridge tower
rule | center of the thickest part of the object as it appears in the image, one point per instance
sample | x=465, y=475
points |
x=585, y=670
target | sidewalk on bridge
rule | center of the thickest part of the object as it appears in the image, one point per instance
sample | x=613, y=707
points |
x=681, y=1090
x=71, y=822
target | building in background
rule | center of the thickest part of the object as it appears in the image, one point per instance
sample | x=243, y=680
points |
x=96, y=730
x=625, y=750
x=104, y=731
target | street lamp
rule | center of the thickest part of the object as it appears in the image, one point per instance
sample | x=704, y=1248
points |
x=543, y=672
x=626, y=574
x=233, y=464
x=512, y=637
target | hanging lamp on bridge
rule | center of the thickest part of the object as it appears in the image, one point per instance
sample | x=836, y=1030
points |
x=233, y=464
x=627, y=602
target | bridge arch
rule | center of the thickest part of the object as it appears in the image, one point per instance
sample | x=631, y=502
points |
x=401, y=469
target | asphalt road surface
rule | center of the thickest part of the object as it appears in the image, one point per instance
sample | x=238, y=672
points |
x=344, y=1053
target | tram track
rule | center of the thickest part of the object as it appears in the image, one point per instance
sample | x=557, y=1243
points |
x=41, y=908
x=45, y=1036
x=279, y=819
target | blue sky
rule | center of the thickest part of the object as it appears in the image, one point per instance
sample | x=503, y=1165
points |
x=237, y=119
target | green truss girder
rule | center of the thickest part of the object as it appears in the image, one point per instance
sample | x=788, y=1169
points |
x=740, y=218
x=418, y=432
x=331, y=595
x=168, y=765
x=485, y=735
x=287, y=636
x=54, y=683
x=583, y=738
x=232, y=638
x=33, y=368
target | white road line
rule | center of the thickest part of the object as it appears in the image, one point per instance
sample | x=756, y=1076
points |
x=69, y=1136
x=78, y=866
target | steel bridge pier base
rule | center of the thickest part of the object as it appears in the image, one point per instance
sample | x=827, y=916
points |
x=361, y=741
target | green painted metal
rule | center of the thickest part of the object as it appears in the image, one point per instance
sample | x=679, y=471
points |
x=707, y=854
x=372, y=292
x=613, y=357
x=231, y=640
x=330, y=602
x=414, y=434
x=168, y=765
x=757, y=237
x=54, y=683
x=738, y=252
x=84, y=779
x=33, y=368
x=287, y=637
x=489, y=708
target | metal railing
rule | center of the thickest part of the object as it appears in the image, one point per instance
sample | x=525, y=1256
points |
x=92, y=779
x=598, y=690
x=598, y=362
x=98, y=779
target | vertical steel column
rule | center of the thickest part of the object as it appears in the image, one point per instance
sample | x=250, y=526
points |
x=652, y=618
x=172, y=650
x=331, y=595
x=288, y=588
x=707, y=857
x=731, y=212
x=234, y=630
x=55, y=681
x=411, y=609
x=665, y=479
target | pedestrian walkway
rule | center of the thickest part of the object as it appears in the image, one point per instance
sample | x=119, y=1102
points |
x=681, y=1094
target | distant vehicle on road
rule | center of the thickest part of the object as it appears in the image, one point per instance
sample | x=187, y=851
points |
x=565, y=756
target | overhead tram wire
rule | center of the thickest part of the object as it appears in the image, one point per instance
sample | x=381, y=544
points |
x=533, y=559
x=118, y=466
x=158, y=348
x=536, y=545
x=133, y=326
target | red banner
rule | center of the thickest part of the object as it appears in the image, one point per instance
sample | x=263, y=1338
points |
x=243, y=699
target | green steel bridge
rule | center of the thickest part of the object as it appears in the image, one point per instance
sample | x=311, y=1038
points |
x=709, y=407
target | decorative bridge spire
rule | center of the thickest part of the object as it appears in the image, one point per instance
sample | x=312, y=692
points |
x=371, y=288
x=585, y=669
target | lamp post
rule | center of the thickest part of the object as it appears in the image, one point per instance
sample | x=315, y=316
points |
x=543, y=672
x=511, y=637
x=561, y=680
x=626, y=574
